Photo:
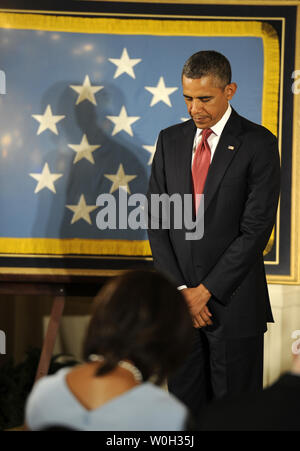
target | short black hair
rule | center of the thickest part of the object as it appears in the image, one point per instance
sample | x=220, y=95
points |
x=142, y=317
x=208, y=62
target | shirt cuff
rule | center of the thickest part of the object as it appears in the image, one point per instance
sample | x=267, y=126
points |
x=181, y=287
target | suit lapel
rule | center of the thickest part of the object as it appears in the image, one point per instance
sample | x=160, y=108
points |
x=223, y=156
x=225, y=152
x=183, y=155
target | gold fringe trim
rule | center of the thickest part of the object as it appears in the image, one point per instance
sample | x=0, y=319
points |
x=270, y=243
x=75, y=246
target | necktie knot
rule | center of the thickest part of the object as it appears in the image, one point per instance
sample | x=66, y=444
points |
x=206, y=132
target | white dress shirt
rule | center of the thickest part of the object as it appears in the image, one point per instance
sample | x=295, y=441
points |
x=212, y=140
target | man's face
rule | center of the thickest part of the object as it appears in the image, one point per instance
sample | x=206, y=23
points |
x=206, y=99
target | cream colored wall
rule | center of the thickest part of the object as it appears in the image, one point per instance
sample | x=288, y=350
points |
x=285, y=300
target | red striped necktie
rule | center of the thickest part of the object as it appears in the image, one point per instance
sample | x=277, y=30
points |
x=200, y=166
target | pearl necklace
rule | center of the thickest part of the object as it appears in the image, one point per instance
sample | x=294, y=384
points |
x=123, y=364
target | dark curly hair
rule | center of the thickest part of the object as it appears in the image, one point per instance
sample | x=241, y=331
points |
x=142, y=317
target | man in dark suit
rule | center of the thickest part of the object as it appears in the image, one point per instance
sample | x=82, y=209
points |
x=274, y=409
x=235, y=164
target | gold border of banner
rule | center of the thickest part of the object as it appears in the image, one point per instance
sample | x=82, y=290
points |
x=241, y=28
x=76, y=246
x=294, y=277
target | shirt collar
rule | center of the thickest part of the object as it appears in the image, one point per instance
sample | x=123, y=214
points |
x=219, y=126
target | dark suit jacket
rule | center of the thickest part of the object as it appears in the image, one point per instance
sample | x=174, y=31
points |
x=240, y=202
x=274, y=409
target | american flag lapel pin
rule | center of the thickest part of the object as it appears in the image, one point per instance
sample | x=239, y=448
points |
x=231, y=147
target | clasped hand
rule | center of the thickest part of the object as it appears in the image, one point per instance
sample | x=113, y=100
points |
x=197, y=299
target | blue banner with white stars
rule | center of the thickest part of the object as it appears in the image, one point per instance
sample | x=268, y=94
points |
x=81, y=118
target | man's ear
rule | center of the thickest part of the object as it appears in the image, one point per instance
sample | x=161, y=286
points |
x=230, y=90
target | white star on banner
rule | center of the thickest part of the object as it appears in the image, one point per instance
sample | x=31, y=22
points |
x=84, y=150
x=125, y=64
x=45, y=179
x=81, y=210
x=86, y=91
x=47, y=121
x=160, y=93
x=123, y=122
x=120, y=180
x=184, y=119
x=152, y=150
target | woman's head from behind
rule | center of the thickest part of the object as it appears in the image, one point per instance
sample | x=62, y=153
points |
x=142, y=317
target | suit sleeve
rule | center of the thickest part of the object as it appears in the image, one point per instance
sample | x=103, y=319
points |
x=256, y=223
x=163, y=254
